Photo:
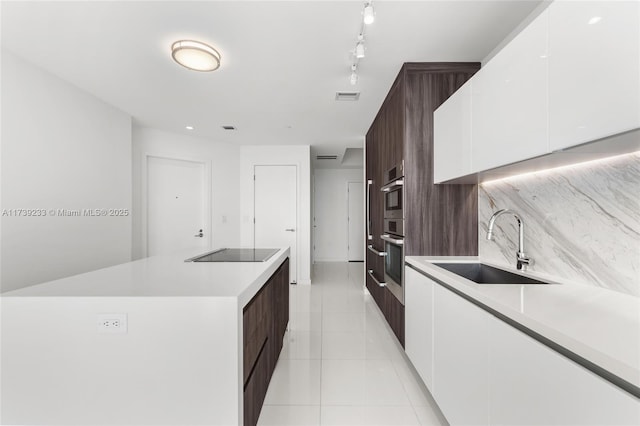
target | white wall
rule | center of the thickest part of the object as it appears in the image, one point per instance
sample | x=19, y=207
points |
x=299, y=156
x=331, y=232
x=225, y=161
x=62, y=148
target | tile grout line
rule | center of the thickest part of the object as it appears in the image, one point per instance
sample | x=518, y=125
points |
x=321, y=353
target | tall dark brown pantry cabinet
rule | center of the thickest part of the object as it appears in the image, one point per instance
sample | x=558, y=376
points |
x=439, y=220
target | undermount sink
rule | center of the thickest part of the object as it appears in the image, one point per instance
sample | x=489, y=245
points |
x=485, y=274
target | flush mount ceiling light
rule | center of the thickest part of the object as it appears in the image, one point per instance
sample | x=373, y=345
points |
x=189, y=127
x=195, y=55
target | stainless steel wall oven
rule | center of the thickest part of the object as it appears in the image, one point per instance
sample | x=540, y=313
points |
x=393, y=236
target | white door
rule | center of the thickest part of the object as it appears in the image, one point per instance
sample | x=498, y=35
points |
x=275, y=204
x=176, y=206
x=356, y=221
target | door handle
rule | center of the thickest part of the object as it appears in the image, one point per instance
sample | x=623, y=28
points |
x=200, y=234
x=373, y=277
x=369, y=235
x=377, y=253
x=290, y=230
x=388, y=238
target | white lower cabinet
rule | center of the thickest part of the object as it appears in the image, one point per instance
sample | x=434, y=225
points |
x=529, y=383
x=483, y=371
x=461, y=362
x=418, y=314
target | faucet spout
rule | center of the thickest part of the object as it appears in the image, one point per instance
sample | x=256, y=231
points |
x=521, y=259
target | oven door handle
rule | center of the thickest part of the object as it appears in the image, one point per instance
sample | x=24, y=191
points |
x=388, y=187
x=378, y=253
x=375, y=279
x=396, y=241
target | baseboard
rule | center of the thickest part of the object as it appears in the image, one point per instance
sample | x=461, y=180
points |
x=329, y=260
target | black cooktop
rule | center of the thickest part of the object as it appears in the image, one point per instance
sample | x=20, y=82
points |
x=236, y=255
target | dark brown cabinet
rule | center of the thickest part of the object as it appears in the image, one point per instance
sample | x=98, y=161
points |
x=439, y=220
x=264, y=322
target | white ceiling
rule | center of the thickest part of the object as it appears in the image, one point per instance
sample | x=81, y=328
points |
x=282, y=62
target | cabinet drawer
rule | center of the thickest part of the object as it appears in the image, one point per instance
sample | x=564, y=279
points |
x=256, y=324
x=255, y=388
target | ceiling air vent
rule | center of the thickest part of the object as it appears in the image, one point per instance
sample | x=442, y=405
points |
x=229, y=127
x=326, y=157
x=347, y=96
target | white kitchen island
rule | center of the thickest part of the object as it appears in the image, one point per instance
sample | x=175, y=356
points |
x=176, y=360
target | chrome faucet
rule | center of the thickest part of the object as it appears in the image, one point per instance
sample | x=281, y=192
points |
x=521, y=259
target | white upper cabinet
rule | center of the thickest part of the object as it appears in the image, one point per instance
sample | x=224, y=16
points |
x=510, y=101
x=452, y=136
x=594, y=70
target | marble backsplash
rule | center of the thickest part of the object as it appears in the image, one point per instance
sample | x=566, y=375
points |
x=582, y=223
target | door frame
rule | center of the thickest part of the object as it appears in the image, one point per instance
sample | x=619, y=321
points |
x=144, y=198
x=291, y=279
x=349, y=182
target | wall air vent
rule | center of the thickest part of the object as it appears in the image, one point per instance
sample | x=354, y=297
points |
x=347, y=96
x=229, y=127
x=326, y=157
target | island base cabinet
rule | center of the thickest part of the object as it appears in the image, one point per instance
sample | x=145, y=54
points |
x=265, y=320
x=255, y=389
x=460, y=359
x=529, y=383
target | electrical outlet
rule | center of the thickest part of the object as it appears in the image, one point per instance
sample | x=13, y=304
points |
x=112, y=323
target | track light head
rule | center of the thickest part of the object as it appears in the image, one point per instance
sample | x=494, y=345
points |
x=360, y=47
x=369, y=15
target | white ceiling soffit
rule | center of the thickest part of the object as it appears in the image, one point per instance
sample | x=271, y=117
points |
x=282, y=62
x=353, y=157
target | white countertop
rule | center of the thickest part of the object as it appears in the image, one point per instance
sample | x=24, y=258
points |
x=164, y=276
x=600, y=325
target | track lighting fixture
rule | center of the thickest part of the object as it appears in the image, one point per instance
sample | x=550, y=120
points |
x=368, y=16
x=368, y=13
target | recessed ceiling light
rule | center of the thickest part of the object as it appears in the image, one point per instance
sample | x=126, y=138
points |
x=594, y=20
x=195, y=55
x=189, y=127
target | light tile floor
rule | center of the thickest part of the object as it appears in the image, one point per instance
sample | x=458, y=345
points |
x=341, y=363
